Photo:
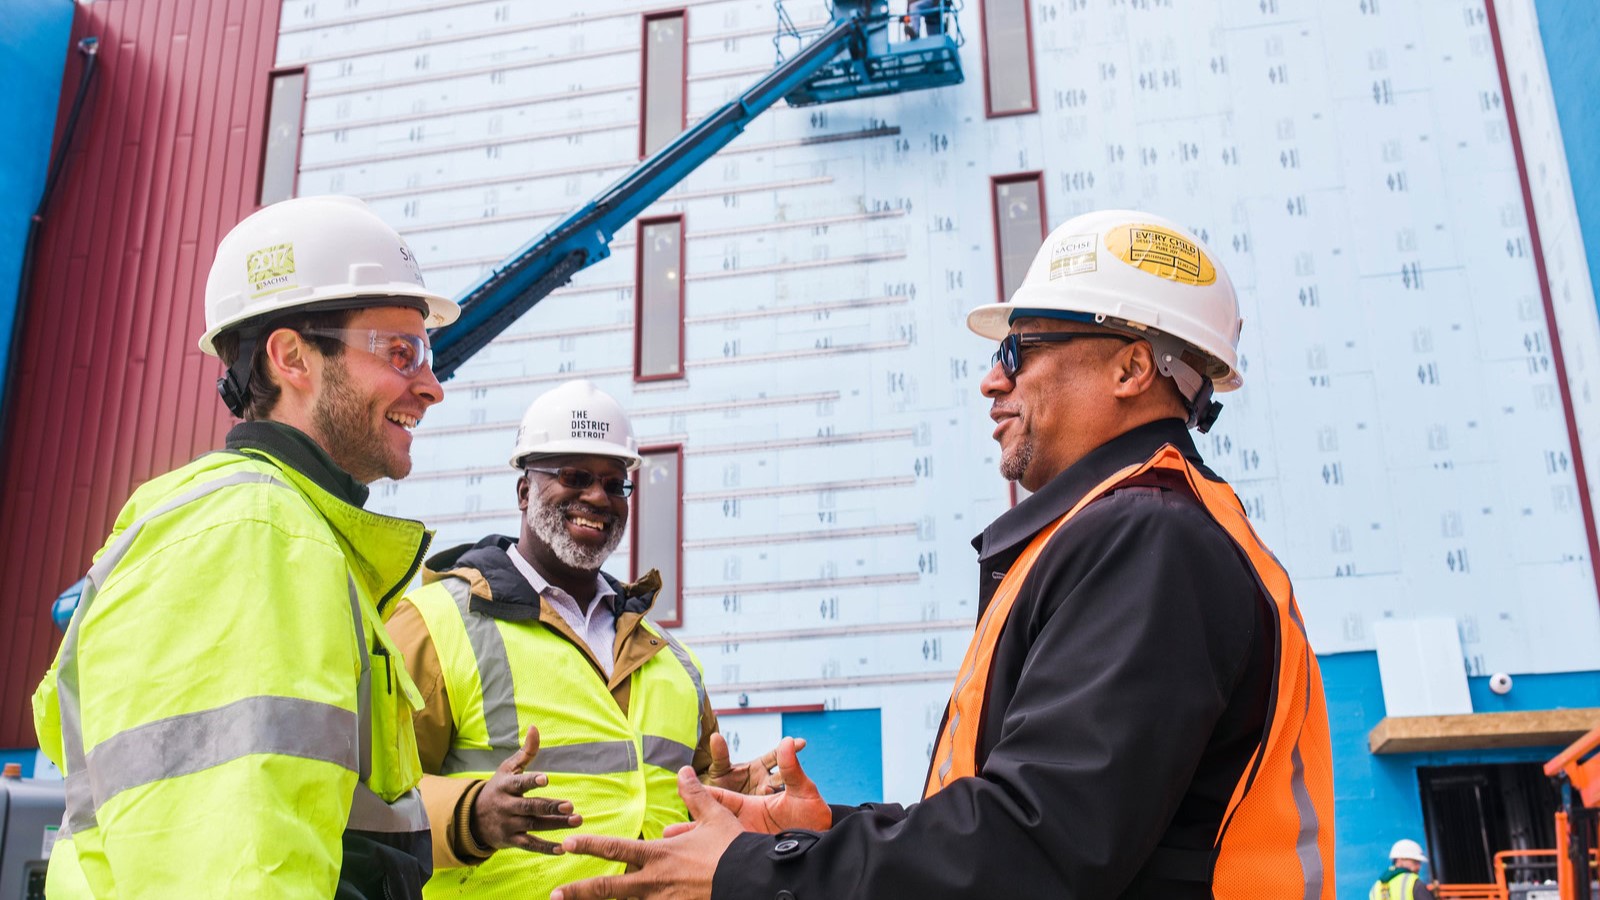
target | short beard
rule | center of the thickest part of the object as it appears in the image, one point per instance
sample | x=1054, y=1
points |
x=1014, y=462
x=343, y=422
x=548, y=523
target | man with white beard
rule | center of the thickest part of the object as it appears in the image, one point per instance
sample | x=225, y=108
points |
x=525, y=648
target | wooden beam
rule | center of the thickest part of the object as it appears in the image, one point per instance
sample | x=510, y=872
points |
x=1481, y=731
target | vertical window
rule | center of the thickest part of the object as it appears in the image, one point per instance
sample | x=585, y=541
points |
x=658, y=300
x=280, y=163
x=662, y=94
x=1008, y=58
x=658, y=527
x=1019, y=226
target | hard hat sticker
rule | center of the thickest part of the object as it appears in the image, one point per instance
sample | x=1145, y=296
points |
x=1163, y=253
x=1073, y=254
x=270, y=270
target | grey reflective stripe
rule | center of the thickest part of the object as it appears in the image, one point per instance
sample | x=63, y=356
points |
x=363, y=687
x=1306, y=842
x=80, y=796
x=193, y=742
x=955, y=711
x=595, y=758
x=694, y=676
x=667, y=753
x=496, y=688
x=80, y=801
x=369, y=812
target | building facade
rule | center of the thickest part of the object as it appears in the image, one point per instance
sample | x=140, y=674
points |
x=1388, y=184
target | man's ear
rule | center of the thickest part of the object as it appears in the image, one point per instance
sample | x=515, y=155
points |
x=523, y=484
x=1135, y=370
x=289, y=359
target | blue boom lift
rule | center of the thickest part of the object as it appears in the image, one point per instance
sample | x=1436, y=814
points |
x=849, y=58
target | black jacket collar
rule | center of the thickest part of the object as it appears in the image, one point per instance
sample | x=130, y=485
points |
x=511, y=596
x=1035, y=512
x=294, y=447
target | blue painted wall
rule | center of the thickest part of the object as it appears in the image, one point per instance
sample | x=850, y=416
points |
x=1376, y=798
x=1570, y=30
x=844, y=752
x=33, y=42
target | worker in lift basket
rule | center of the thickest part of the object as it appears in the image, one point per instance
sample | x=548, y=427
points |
x=526, y=641
x=231, y=717
x=1139, y=714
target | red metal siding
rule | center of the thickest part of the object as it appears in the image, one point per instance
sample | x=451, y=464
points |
x=110, y=389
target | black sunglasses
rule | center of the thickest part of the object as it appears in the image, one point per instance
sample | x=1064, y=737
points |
x=580, y=479
x=1009, y=356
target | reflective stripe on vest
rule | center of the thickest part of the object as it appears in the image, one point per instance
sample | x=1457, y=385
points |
x=1396, y=888
x=1276, y=837
x=498, y=692
x=193, y=742
x=618, y=768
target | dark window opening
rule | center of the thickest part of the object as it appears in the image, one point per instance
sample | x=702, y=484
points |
x=664, y=71
x=1471, y=813
x=1019, y=226
x=1008, y=58
x=658, y=528
x=280, y=159
x=658, y=300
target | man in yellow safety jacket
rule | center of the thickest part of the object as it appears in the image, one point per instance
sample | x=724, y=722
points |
x=527, y=642
x=1403, y=879
x=230, y=715
x=1139, y=714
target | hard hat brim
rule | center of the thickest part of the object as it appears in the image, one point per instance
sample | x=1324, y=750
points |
x=580, y=447
x=437, y=310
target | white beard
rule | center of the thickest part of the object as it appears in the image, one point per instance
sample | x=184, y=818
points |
x=549, y=524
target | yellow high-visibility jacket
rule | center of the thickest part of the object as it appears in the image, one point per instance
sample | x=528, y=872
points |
x=478, y=633
x=227, y=708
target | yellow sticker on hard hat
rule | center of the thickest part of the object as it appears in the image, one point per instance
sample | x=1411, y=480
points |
x=270, y=270
x=1162, y=252
x=1073, y=254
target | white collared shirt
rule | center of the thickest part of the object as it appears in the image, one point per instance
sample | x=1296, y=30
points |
x=597, y=628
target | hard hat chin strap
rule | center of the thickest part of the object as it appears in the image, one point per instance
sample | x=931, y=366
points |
x=234, y=385
x=1195, y=388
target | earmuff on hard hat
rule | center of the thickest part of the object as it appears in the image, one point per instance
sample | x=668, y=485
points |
x=309, y=254
x=1143, y=275
x=576, y=418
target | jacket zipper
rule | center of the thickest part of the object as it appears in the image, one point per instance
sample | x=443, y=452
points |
x=411, y=572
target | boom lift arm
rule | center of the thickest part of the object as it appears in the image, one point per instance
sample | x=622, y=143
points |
x=583, y=238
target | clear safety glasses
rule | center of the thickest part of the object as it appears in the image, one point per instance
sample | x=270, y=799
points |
x=408, y=353
x=1009, y=356
x=580, y=479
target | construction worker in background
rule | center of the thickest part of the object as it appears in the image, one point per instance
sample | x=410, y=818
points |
x=1138, y=714
x=1402, y=880
x=526, y=641
x=229, y=712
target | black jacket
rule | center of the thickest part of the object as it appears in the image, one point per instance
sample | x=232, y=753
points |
x=1130, y=686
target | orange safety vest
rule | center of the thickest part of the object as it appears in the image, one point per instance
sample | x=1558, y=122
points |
x=1276, y=838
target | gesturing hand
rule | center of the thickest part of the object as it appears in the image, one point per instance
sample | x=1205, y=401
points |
x=676, y=868
x=799, y=805
x=752, y=777
x=502, y=816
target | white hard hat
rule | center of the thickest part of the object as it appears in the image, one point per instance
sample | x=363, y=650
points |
x=1407, y=849
x=1135, y=272
x=576, y=418
x=314, y=252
